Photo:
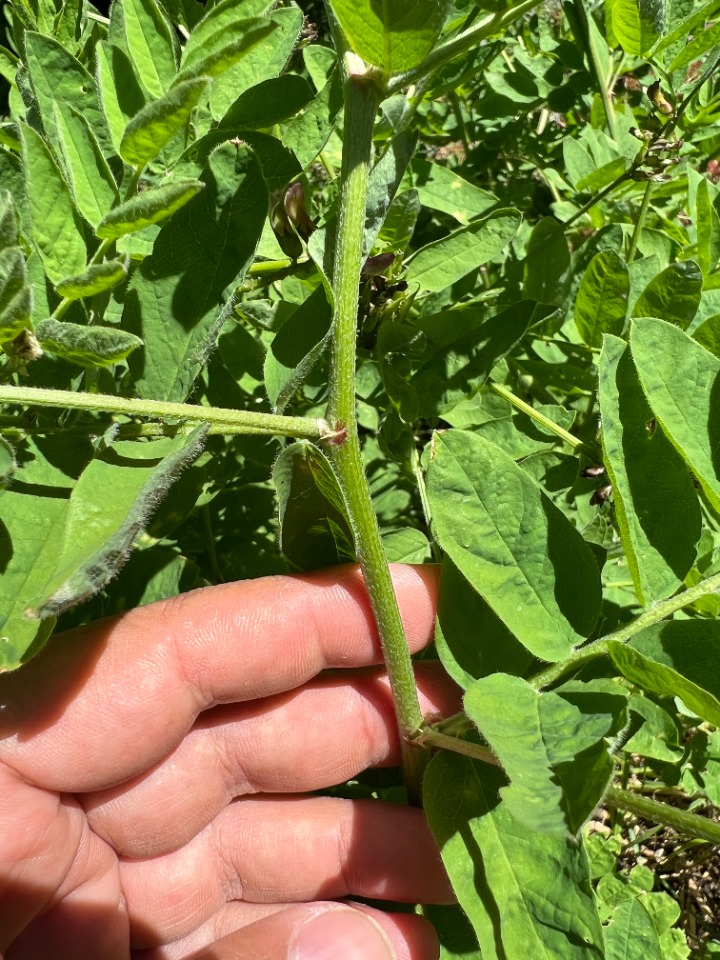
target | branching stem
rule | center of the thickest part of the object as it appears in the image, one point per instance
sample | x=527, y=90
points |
x=362, y=96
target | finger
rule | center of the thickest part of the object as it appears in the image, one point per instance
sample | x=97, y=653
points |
x=340, y=929
x=323, y=734
x=285, y=850
x=106, y=702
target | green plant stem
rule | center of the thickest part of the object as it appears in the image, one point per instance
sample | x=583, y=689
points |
x=462, y=43
x=640, y=222
x=597, y=68
x=362, y=97
x=441, y=741
x=689, y=824
x=534, y=414
x=232, y=421
x=599, y=648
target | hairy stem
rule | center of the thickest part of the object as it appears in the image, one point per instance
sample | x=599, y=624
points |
x=232, y=421
x=362, y=96
x=640, y=222
x=689, y=824
x=462, y=43
x=534, y=414
x=599, y=648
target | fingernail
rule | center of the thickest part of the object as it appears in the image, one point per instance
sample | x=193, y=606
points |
x=341, y=933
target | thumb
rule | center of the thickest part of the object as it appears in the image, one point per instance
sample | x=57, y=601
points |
x=341, y=932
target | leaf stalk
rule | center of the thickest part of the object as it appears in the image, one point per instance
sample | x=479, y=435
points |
x=236, y=421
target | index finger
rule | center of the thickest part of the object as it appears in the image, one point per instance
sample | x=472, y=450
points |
x=106, y=702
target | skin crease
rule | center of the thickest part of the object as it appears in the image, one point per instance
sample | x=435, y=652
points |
x=157, y=772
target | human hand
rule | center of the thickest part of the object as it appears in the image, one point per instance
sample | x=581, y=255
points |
x=153, y=770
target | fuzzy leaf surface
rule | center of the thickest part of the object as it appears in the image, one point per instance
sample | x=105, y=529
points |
x=150, y=206
x=107, y=511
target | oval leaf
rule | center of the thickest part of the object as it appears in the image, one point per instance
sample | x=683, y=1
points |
x=150, y=206
x=86, y=346
x=439, y=264
x=394, y=36
x=676, y=659
x=157, y=123
x=476, y=494
x=56, y=228
x=98, y=278
x=314, y=529
x=673, y=295
x=650, y=481
x=526, y=893
x=602, y=298
x=681, y=381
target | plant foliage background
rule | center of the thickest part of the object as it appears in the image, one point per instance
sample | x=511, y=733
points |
x=537, y=388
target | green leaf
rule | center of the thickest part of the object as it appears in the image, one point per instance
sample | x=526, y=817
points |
x=637, y=24
x=8, y=221
x=550, y=745
x=455, y=367
x=57, y=77
x=676, y=659
x=471, y=640
x=440, y=188
x=157, y=123
x=406, y=545
x=264, y=61
x=631, y=934
x=221, y=53
x=222, y=22
x=15, y=294
x=314, y=529
x=442, y=262
x=56, y=229
x=476, y=494
x=7, y=462
x=673, y=295
x=527, y=894
x=151, y=44
x=704, y=40
x=176, y=295
x=547, y=263
x=394, y=36
x=92, y=184
x=118, y=89
x=267, y=103
x=33, y=512
x=656, y=505
x=98, y=278
x=150, y=206
x=307, y=134
x=296, y=348
x=707, y=223
x=680, y=379
x=86, y=346
x=602, y=298
x=107, y=511
x=708, y=334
